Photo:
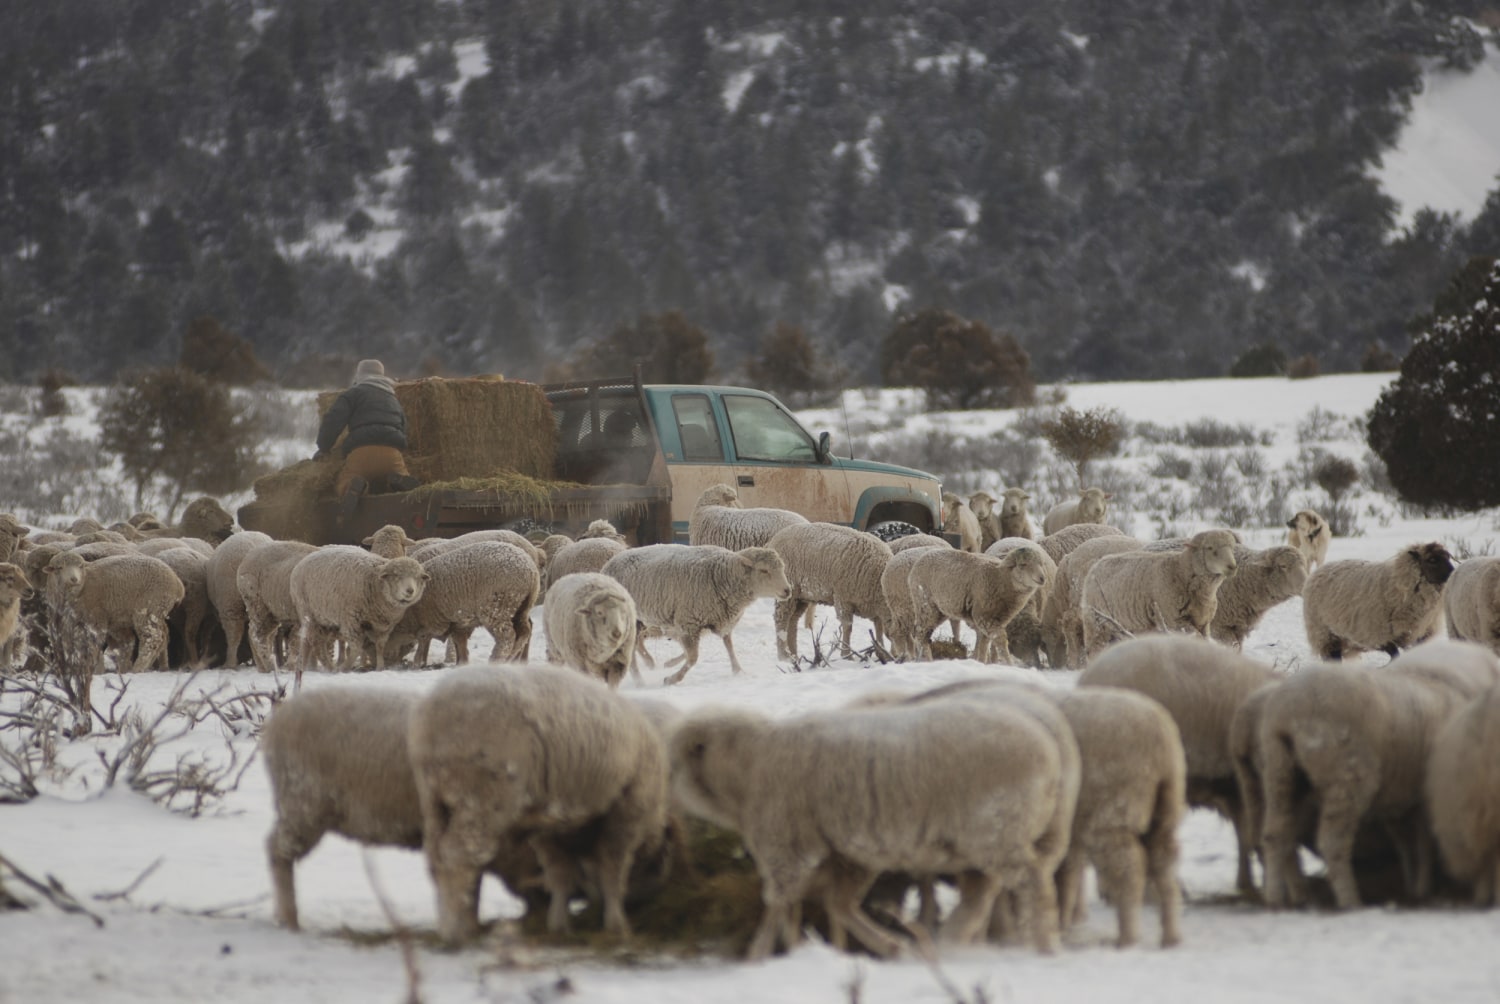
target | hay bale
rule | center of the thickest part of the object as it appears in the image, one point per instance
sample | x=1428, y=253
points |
x=473, y=427
x=286, y=501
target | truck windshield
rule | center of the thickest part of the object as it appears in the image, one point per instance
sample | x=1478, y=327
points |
x=762, y=431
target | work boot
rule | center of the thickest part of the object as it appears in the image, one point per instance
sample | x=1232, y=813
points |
x=402, y=482
x=350, y=501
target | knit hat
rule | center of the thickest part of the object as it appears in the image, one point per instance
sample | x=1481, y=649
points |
x=367, y=368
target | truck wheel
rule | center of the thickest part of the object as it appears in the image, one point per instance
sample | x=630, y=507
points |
x=893, y=529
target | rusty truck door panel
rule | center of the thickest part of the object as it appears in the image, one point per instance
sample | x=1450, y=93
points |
x=816, y=491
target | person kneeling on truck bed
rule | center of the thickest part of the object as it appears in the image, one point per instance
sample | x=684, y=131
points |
x=377, y=435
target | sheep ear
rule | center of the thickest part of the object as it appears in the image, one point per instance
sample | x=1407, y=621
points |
x=1314, y=532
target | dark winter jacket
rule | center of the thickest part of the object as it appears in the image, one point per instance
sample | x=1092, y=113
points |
x=372, y=414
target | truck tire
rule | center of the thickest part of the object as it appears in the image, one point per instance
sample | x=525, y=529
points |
x=893, y=529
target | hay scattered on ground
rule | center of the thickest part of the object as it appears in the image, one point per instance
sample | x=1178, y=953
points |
x=287, y=500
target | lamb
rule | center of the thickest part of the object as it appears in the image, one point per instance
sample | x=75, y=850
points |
x=538, y=751
x=1262, y=579
x=1471, y=602
x=719, y=519
x=188, y=618
x=14, y=587
x=838, y=565
x=982, y=505
x=986, y=593
x=896, y=587
x=1024, y=633
x=1353, y=606
x=1062, y=621
x=684, y=591
x=355, y=594
x=1463, y=795
x=1163, y=591
x=589, y=555
x=1015, y=521
x=264, y=580
x=224, y=590
x=960, y=519
x=1309, y=534
x=488, y=584
x=950, y=786
x=204, y=518
x=1202, y=685
x=1088, y=507
x=1059, y=544
x=390, y=541
x=589, y=623
x=117, y=597
x=1359, y=740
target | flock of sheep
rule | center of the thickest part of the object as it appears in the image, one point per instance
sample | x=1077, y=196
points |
x=563, y=786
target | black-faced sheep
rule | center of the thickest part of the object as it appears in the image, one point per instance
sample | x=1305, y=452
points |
x=1355, y=606
x=1088, y=507
x=1471, y=602
x=1144, y=591
x=831, y=564
x=1309, y=534
x=536, y=751
x=590, y=624
x=683, y=591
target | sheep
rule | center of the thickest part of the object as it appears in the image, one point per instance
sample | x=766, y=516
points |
x=1262, y=579
x=984, y=592
x=107, y=549
x=1359, y=740
x=960, y=519
x=116, y=597
x=204, y=518
x=1352, y=606
x=950, y=786
x=1015, y=520
x=1463, y=795
x=539, y=751
x=1059, y=544
x=589, y=555
x=1088, y=507
x=1202, y=685
x=264, y=581
x=83, y=525
x=1309, y=534
x=427, y=548
x=684, y=591
x=719, y=519
x=602, y=529
x=126, y=530
x=156, y=545
x=590, y=624
x=551, y=545
x=918, y=540
x=145, y=521
x=14, y=587
x=896, y=587
x=390, y=541
x=358, y=595
x=188, y=618
x=1062, y=622
x=1024, y=633
x=838, y=565
x=224, y=591
x=12, y=532
x=1471, y=602
x=982, y=505
x=1164, y=591
x=489, y=584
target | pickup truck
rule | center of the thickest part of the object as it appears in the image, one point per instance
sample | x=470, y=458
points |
x=639, y=455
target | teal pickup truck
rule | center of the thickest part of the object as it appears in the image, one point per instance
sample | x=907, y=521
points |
x=641, y=454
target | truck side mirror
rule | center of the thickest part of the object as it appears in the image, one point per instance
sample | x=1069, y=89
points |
x=825, y=444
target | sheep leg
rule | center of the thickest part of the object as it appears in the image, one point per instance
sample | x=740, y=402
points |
x=1284, y=885
x=728, y=638
x=1247, y=822
x=977, y=891
x=1038, y=902
x=1343, y=806
x=689, y=641
x=457, y=851
x=927, y=909
x=1071, y=908
x=785, y=617
x=558, y=877
x=234, y=633
x=1162, y=852
x=640, y=648
x=284, y=848
x=151, y=635
x=1121, y=860
x=460, y=639
x=1003, y=926
x=845, y=887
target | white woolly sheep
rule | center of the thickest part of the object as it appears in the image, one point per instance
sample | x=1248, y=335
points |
x=896, y=586
x=1359, y=740
x=123, y=598
x=1058, y=545
x=982, y=505
x=358, y=596
x=602, y=529
x=589, y=622
x=428, y=547
x=1141, y=591
x=540, y=751
x=1024, y=634
x=1471, y=602
x=917, y=540
x=12, y=532
x=224, y=590
x=1202, y=685
x=950, y=786
x=390, y=541
x=1309, y=534
x=589, y=555
x=1088, y=507
x=960, y=519
x=1463, y=795
x=264, y=580
x=830, y=564
x=204, y=518
x=719, y=519
x=683, y=591
x=186, y=621
x=983, y=592
x=14, y=587
x=1015, y=520
x=1355, y=606
x=1262, y=579
x=154, y=546
x=1062, y=621
x=489, y=584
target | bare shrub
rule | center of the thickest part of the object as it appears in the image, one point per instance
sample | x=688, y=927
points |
x=1303, y=367
x=1083, y=436
x=1171, y=464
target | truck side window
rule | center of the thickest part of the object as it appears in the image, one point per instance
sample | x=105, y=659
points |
x=696, y=428
x=762, y=431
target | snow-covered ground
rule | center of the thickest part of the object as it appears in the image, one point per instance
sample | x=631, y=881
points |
x=198, y=927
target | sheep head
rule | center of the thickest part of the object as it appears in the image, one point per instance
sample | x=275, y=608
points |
x=205, y=518
x=608, y=617
x=1014, y=503
x=1434, y=562
x=720, y=494
x=1213, y=551
x=710, y=753
x=1027, y=570
x=13, y=584
x=403, y=581
x=767, y=572
x=1288, y=570
x=983, y=504
x=1091, y=504
x=66, y=570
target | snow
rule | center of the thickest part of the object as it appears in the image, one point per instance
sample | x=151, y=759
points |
x=1448, y=155
x=198, y=928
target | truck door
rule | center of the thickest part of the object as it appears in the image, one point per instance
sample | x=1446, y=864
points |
x=695, y=448
x=776, y=462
